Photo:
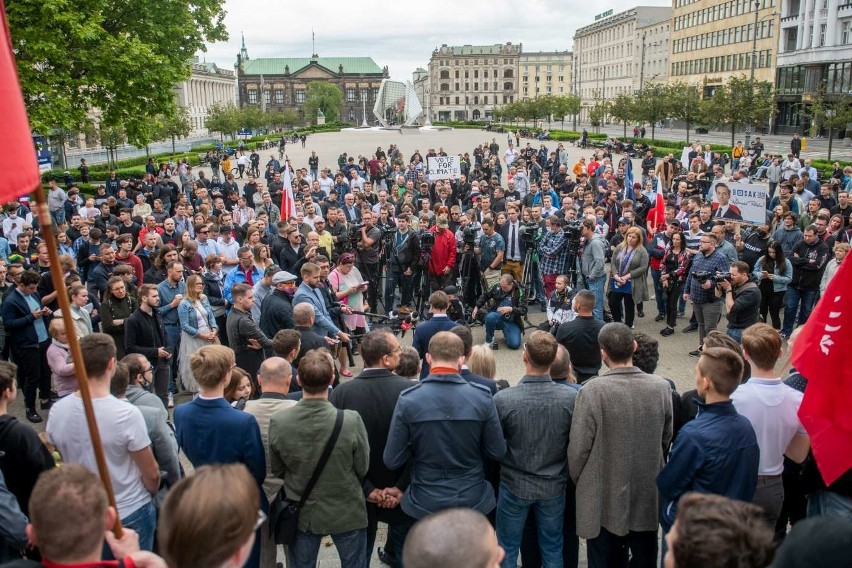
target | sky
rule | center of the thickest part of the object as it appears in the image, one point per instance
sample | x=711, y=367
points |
x=386, y=30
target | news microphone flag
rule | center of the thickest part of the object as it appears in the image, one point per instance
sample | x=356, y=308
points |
x=823, y=355
x=288, y=201
x=18, y=160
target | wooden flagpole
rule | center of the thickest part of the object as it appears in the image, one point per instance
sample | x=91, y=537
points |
x=58, y=278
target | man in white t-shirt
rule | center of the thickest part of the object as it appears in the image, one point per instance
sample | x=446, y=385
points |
x=326, y=183
x=772, y=408
x=134, y=472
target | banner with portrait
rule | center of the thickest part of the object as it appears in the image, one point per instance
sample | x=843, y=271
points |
x=743, y=202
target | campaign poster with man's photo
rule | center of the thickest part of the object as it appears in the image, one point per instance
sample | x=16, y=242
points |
x=744, y=202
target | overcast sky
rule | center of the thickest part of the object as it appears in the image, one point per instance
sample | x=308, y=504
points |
x=396, y=34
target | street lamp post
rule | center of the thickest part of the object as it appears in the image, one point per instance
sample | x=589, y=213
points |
x=642, y=65
x=753, y=64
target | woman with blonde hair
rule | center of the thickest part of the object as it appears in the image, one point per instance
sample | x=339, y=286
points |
x=197, y=531
x=63, y=378
x=198, y=327
x=78, y=295
x=482, y=362
x=628, y=285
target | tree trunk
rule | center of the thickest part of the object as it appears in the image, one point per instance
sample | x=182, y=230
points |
x=624, y=123
x=830, y=140
x=575, y=123
x=173, y=145
x=733, y=134
x=687, y=132
x=653, y=126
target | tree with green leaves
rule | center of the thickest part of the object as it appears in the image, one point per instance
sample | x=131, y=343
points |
x=652, y=105
x=831, y=113
x=598, y=110
x=742, y=102
x=686, y=104
x=111, y=138
x=121, y=58
x=623, y=110
x=225, y=119
x=323, y=96
x=573, y=105
x=252, y=118
x=175, y=125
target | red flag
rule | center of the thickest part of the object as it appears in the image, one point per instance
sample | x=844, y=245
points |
x=288, y=201
x=823, y=355
x=656, y=214
x=18, y=160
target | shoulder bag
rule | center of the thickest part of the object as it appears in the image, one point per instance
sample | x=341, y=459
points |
x=284, y=512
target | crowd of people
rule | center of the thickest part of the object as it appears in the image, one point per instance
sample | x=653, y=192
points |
x=182, y=283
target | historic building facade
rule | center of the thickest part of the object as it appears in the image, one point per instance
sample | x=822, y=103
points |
x=545, y=73
x=607, y=52
x=814, y=58
x=467, y=82
x=208, y=85
x=281, y=82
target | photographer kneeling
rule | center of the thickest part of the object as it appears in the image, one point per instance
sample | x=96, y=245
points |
x=742, y=299
x=505, y=310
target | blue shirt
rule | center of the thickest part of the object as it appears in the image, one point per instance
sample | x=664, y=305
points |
x=41, y=330
x=167, y=294
x=715, y=453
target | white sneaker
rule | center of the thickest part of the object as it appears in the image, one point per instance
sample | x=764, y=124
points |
x=171, y=400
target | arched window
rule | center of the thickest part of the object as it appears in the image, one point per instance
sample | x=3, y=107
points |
x=507, y=86
x=476, y=114
x=508, y=73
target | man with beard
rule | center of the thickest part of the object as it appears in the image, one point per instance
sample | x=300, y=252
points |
x=753, y=246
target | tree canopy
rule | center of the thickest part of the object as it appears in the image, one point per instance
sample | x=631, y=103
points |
x=327, y=97
x=121, y=57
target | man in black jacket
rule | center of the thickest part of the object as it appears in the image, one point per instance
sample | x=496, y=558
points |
x=808, y=257
x=580, y=337
x=276, y=310
x=405, y=254
x=143, y=334
x=373, y=394
x=505, y=310
x=742, y=299
x=293, y=254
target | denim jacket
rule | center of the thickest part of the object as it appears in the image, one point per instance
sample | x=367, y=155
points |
x=779, y=283
x=189, y=316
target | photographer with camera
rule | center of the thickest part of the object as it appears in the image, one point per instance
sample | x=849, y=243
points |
x=742, y=298
x=368, y=239
x=490, y=248
x=403, y=258
x=700, y=285
x=505, y=311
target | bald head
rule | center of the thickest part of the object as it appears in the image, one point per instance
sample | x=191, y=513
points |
x=275, y=374
x=452, y=538
x=303, y=315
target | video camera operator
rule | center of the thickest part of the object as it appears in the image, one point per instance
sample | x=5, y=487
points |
x=368, y=247
x=403, y=258
x=742, y=299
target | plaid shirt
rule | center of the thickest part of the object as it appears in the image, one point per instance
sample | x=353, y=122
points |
x=552, y=252
x=712, y=263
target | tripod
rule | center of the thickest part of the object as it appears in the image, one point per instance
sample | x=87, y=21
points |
x=420, y=289
x=527, y=280
x=466, y=268
x=571, y=271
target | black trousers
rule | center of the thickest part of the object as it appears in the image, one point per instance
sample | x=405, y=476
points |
x=33, y=372
x=370, y=273
x=771, y=305
x=616, y=299
x=673, y=295
x=633, y=550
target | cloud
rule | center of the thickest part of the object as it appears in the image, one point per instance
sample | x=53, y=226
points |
x=399, y=34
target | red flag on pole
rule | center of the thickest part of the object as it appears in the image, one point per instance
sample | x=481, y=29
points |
x=656, y=214
x=823, y=355
x=288, y=201
x=19, y=165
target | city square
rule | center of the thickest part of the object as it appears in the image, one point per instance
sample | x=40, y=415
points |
x=480, y=299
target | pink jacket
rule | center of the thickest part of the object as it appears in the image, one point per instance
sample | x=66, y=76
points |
x=62, y=376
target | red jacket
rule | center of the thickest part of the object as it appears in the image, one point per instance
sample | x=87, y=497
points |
x=444, y=251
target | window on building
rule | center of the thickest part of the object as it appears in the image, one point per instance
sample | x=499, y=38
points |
x=821, y=35
x=279, y=96
x=252, y=97
x=300, y=97
x=267, y=97
x=445, y=86
x=350, y=95
x=846, y=33
x=466, y=74
x=445, y=74
x=508, y=86
x=508, y=73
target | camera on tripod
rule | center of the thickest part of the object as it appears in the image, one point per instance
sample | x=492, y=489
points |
x=528, y=231
x=355, y=233
x=470, y=232
x=427, y=241
x=573, y=229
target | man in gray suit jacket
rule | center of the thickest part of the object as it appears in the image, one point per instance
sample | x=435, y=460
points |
x=621, y=426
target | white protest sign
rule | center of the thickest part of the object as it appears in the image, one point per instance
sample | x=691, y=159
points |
x=444, y=167
x=746, y=203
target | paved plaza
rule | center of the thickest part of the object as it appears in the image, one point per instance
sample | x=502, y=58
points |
x=674, y=361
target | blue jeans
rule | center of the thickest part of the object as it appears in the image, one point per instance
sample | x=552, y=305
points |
x=511, y=331
x=736, y=333
x=596, y=287
x=659, y=293
x=351, y=547
x=144, y=522
x=795, y=296
x=825, y=503
x=512, y=514
x=314, y=174
x=58, y=216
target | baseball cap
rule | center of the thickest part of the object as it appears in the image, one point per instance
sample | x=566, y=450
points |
x=623, y=221
x=451, y=291
x=443, y=222
x=283, y=276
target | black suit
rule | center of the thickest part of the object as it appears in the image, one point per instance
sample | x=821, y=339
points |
x=373, y=394
x=310, y=340
x=348, y=214
x=475, y=379
x=291, y=260
x=580, y=338
x=522, y=247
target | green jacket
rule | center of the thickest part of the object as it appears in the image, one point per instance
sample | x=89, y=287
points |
x=297, y=437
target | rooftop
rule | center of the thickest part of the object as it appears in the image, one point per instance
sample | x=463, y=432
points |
x=277, y=65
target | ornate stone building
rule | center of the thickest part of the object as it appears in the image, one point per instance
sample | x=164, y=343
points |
x=545, y=73
x=208, y=85
x=281, y=82
x=467, y=82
